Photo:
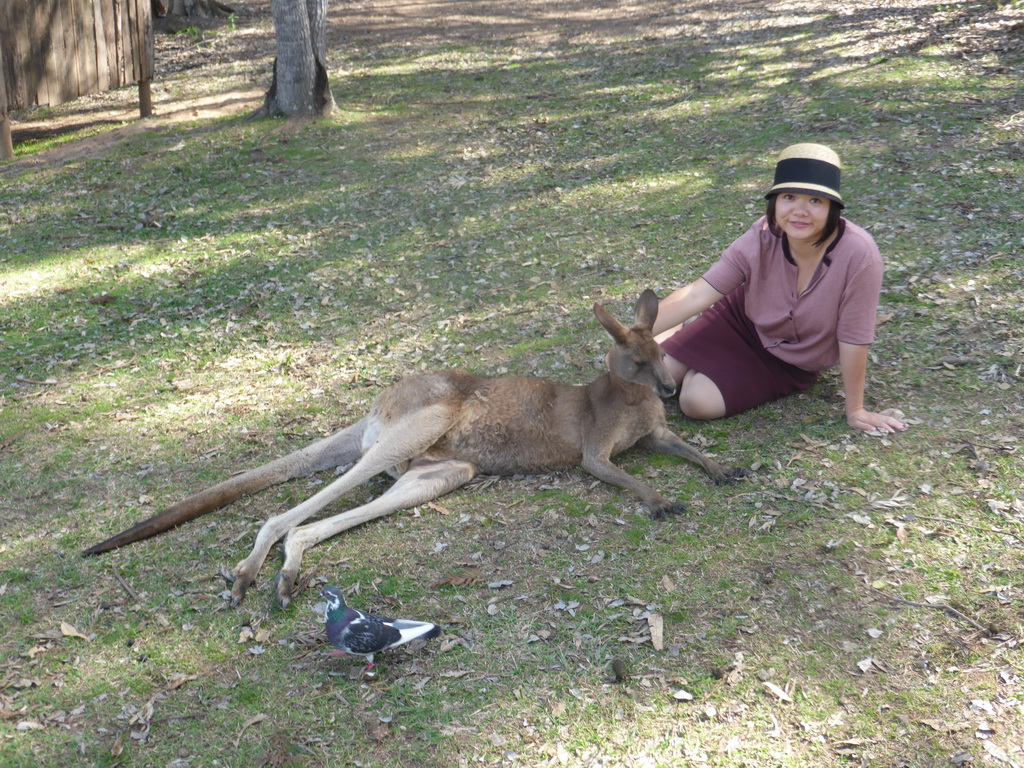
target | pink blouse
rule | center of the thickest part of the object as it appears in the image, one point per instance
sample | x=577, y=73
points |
x=839, y=304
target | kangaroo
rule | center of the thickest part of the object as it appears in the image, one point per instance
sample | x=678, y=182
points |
x=435, y=431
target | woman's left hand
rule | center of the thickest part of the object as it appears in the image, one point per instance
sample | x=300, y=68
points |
x=874, y=423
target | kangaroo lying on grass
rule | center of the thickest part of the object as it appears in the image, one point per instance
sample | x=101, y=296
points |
x=434, y=432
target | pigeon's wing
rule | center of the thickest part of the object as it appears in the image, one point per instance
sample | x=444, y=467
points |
x=369, y=634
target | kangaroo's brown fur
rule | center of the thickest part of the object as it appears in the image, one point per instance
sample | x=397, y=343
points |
x=435, y=431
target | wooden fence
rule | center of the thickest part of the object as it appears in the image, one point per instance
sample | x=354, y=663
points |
x=53, y=51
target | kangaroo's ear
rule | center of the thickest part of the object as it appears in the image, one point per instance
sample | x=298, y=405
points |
x=618, y=331
x=647, y=308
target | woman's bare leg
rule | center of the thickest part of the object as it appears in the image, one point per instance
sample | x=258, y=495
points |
x=699, y=396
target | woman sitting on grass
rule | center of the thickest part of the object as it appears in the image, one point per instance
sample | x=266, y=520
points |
x=794, y=296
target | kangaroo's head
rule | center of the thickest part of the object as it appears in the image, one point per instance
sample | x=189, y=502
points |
x=636, y=356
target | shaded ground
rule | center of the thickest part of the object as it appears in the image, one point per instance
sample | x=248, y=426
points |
x=979, y=31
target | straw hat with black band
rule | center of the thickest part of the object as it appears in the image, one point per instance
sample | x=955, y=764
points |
x=808, y=169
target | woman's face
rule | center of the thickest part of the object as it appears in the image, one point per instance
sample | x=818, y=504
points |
x=802, y=217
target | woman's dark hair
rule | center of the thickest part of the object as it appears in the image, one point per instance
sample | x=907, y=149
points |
x=831, y=223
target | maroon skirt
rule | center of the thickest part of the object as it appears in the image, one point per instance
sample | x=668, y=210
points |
x=723, y=345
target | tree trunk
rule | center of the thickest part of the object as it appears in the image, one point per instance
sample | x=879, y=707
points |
x=300, y=87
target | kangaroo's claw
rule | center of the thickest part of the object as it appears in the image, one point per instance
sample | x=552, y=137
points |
x=241, y=586
x=662, y=512
x=731, y=475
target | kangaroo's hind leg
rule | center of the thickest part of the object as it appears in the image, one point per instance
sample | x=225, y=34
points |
x=422, y=482
x=384, y=447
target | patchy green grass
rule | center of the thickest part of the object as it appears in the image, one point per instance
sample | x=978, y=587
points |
x=194, y=300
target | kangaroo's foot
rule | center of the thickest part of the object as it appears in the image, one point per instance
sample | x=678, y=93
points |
x=244, y=576
x=284, y=585
x=295, y=546
x=238, y=590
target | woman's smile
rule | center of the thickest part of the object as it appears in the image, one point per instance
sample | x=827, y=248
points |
x=802, y=217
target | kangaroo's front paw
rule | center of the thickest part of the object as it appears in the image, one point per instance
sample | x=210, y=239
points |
x=731, y=475
x=671, y=508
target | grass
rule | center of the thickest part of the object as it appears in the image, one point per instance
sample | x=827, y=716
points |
x=205, y=297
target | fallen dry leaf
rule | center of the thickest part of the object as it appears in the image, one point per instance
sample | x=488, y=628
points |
x=996, y=751
x=68, y=630
x=778, y=691
x=250, y=722
x=467, y=577
x=657, y=627
x=943, y=727
x=177, y=680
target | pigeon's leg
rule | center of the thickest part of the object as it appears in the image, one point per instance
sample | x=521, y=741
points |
x=370, y=664
x=392, y=445
x=422, y=482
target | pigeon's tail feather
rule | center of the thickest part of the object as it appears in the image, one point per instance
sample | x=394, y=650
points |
x=416, y=630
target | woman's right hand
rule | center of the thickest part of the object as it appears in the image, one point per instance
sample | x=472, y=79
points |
x=684, y=303
x=875, y=423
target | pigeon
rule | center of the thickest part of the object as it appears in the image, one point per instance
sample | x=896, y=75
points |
x=356, y=633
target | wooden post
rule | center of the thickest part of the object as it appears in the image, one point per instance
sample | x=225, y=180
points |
x=6, y=144
x=143, y=55
x=145, y=98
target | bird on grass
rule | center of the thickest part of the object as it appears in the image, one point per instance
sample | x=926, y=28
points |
x=357, y=633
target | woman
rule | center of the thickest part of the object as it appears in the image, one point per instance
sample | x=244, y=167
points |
x=795, y=295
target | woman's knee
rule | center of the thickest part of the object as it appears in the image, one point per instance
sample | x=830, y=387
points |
x=699, y=398
x=694, y=408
